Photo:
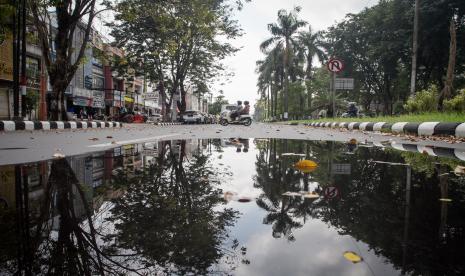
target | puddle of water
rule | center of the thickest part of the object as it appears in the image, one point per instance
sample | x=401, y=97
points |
x=236, y=206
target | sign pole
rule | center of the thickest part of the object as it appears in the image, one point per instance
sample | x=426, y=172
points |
x=334, y=66
x=333, y=80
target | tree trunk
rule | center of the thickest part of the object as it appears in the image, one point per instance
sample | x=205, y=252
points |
x=446, y=92
x=182, y=108
x=286, y=81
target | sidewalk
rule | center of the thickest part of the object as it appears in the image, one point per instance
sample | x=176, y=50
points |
x=51, y=125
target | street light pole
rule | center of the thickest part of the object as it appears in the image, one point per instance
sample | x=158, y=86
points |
x=414, y=49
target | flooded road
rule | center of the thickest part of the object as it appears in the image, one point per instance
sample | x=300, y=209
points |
x=236, y=206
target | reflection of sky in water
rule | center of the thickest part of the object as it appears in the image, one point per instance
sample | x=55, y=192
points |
x=317, y=250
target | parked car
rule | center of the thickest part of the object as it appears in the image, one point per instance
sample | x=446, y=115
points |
x=154, y=118
x=191, y=116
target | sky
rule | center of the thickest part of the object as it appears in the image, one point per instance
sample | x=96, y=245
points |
x=254, y=18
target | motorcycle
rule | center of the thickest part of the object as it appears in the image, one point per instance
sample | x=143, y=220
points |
x=244, y=119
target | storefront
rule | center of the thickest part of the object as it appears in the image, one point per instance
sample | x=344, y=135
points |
x=129, y=103
x=33, y=73
x=81, y=102
x=98, y=102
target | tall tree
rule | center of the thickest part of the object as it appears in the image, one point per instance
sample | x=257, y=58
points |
x=56, y=23
x=182, y=42
x=284, y=34
x=310, y=45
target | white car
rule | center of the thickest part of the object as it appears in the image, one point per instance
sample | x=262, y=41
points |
x=155, y=118
x=191, y=116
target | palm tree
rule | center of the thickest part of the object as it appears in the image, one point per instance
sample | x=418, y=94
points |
x=283, y=35
x=270, y=72
x=310, y=45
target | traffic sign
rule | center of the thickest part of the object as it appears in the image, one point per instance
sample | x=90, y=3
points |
x=331, y=192
x=335, y=65
x=344, y=84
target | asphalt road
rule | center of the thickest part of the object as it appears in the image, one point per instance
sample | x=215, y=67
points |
x=29, y=146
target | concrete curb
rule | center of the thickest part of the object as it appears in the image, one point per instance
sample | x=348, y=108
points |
x=420, y=129
x=427, y=150
x=168, y=124
x=8, y=126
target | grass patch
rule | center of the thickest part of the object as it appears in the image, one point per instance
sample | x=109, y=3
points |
x=413, y=118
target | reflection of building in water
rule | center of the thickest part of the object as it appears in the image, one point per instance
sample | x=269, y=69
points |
x=132, y=157
x=33, y=176
x=149, y=153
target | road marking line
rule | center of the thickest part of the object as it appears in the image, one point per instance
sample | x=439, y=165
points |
x=134, y=141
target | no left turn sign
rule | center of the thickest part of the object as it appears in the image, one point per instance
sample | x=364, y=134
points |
x=335, y=65
x=331, y=192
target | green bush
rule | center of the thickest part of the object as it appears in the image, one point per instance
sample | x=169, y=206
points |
x=456, y=104
x=423, y=101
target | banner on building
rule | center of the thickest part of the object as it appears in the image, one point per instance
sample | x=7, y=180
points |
x=99, y=99
x=6, y=56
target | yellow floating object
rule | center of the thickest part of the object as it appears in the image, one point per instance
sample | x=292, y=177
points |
x=352, y=256
x=306, y=166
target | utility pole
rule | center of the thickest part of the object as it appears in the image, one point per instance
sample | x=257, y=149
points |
x=23, y=59
x=414, y=49
x=16, y=35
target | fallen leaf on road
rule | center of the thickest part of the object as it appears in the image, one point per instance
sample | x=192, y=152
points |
x=109, y=137
x=113, y=142
x=93, y=139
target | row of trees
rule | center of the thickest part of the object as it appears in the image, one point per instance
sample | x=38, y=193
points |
x=375, y=45
x=176, y=44
x=181, y=43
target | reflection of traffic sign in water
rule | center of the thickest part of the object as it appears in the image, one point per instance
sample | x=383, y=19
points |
x=331, y=192
x=335, y=65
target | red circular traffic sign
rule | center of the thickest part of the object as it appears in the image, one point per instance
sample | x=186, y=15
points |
x=335, y=65
x=331, y=192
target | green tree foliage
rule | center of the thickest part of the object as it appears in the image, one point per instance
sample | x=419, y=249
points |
x=424, y=101
x=284, y=36
x=456, y=104
x=62, y=64
x=376, y=46
x=181, y=43
x=215, y=107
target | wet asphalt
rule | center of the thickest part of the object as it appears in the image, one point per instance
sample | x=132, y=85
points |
x=30, y=146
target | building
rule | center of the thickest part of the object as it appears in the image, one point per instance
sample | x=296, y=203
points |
x=36, y=77
x=113, y=83
x=6, y=75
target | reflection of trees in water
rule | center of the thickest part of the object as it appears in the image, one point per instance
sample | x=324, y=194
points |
x=168, y=216
x=61, y=239
x=275, y=177
x=372, y=206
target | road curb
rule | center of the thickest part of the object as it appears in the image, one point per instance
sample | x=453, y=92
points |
x=168, y=124
x=9, y=126
x=427, y=150
x=420, y=129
